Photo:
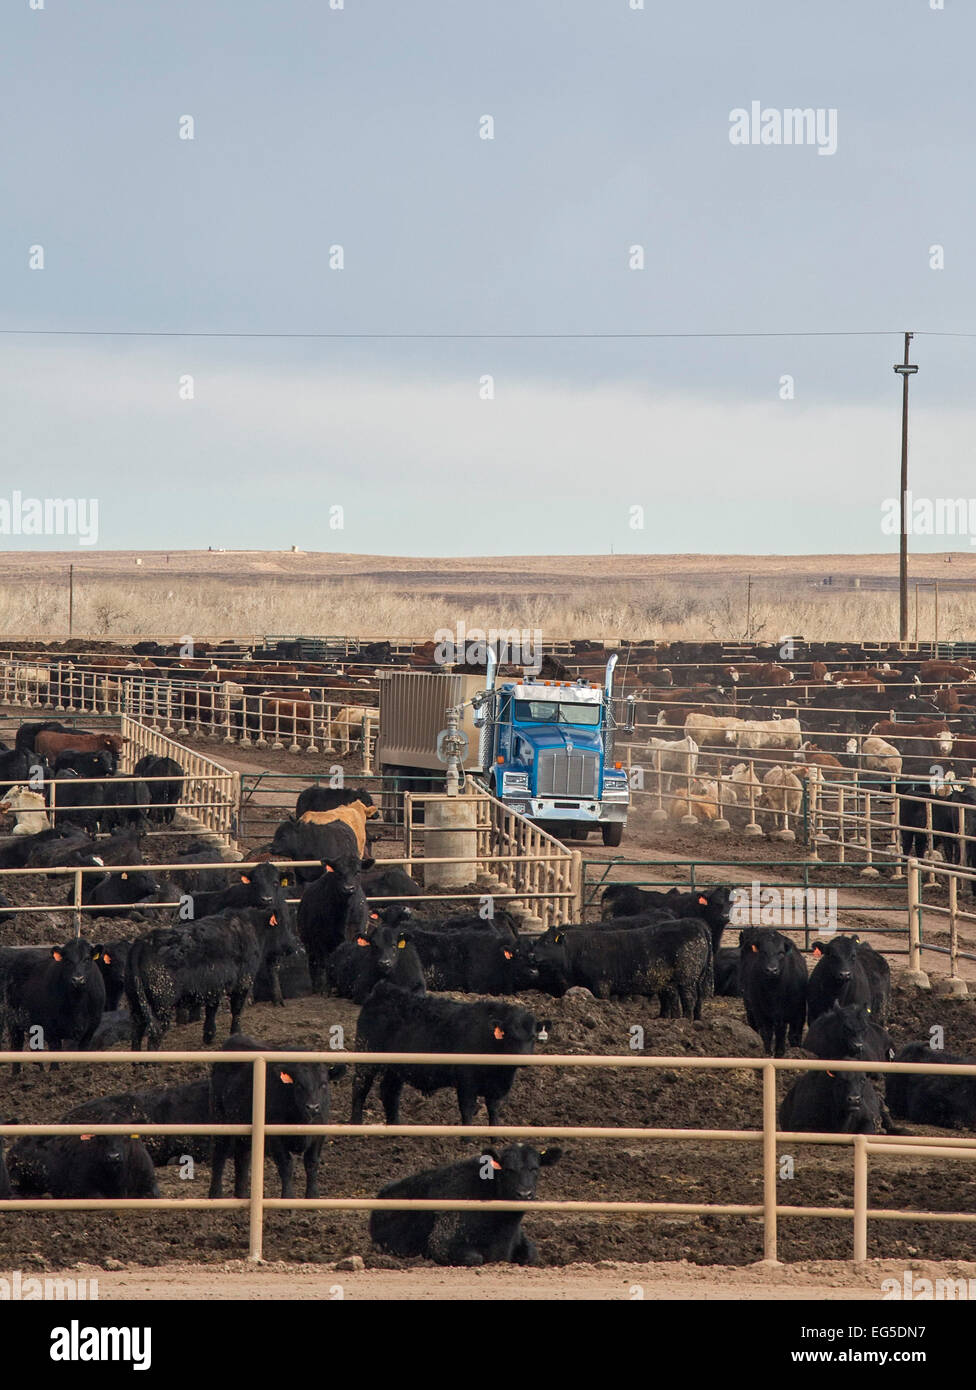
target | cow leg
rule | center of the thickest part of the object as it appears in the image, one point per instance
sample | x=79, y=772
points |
x=524, y=1251
x=222, y=1145
x=276, y=995
x=238, y=999
x=780, y=1046
x=242, y=1166
x=362, y=1083
x=312, y=1157
x=17, y=1037
x=210, y=1022
x=390, y=1088
x=467, y=1098
x=284, y=1161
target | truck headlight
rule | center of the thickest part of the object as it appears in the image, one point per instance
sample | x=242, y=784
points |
x=515, y=782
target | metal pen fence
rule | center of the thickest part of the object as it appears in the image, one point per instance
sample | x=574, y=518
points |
x=770, y=1210
x=212, y=790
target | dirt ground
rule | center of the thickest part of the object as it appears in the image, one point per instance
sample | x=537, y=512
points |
x=609, y=1281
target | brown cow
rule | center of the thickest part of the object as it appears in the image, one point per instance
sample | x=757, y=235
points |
x=354, y=815
x=945, y=671
x=49, y=744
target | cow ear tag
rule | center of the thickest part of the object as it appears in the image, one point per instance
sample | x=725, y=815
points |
x=496, y=1164
x=703, y=901
x=361, y=941
x=817, y=952
x=56, y=955
x=286, y=1078
x=244, y=878
x=124, y=875
x=401, y=943
x=755, y=947
x=499, y=1032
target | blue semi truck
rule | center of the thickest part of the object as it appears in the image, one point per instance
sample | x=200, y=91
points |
x=543, y=747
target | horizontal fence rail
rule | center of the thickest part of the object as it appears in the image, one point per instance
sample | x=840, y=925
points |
x=770, y=1210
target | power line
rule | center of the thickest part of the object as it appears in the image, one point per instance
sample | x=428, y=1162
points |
x=394, y=336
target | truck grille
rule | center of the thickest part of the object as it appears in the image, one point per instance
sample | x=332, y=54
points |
x=568, y=774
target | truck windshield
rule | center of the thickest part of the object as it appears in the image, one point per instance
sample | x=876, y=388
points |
x=556, y=712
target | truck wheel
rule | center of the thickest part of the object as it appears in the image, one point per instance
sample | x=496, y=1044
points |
x=613, y=832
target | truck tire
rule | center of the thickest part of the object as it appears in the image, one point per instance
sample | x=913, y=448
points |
x=613, y=833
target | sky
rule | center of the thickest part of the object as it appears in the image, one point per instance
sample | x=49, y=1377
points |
x=489, y=372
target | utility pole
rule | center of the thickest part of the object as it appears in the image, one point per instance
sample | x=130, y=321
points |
x=905, y=370
x=71, y=598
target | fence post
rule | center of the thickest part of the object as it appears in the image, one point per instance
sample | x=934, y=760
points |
x=916, y=975
x=576, y=883
x=258, y=1089
x=957, y=986
x=769, y=1162
x=77, y=901
x=860, y=1197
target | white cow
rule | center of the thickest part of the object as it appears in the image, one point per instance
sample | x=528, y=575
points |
x=877, y=755
x=674, y=758
x=783, y=793
x=766, y=733
x=711, y=729
x=29, y=808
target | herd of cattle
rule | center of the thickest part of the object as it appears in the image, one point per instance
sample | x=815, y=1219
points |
x=237, y=935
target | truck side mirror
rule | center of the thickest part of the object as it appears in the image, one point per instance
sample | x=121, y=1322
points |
x=631, y=715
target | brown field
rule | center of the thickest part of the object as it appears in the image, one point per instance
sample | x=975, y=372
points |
x=697, y=597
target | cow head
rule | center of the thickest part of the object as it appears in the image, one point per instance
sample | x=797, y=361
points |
x=76, y=960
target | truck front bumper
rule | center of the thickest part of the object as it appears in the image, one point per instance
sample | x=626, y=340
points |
x=553, y=808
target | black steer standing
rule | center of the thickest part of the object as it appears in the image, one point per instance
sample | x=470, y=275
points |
x=58, y=990
x=773, y=980
x=392, y=1020
x=295, y=1093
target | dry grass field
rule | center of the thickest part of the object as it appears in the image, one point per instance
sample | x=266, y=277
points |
x=697, y=597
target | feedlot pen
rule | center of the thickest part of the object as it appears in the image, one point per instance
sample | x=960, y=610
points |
x=655, y=1133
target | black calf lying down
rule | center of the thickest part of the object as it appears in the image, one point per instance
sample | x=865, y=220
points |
x=466, y=1237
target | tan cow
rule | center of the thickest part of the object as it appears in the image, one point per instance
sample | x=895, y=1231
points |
x=711, y=730
x=782, y=793
x=702, y=802
x=766, y=733
x=346, y=727
x=29, y=808
x=354, y=815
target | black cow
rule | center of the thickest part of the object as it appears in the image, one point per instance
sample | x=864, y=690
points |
x=841, y=1102
x=195, y=965
x=355, y=967
x=319, y=798
x=391, y=882
x=773, y=976
x=115, y=895
x=333, y=909
x=847, y=1032
x=163, y=796
x=84, y=764
x=110, y=958
x=947, y=1101
x=471, y=960
x=76, y=803
x=188, y=1104
x=125, y=806
x=15, y=766
x=295, y=1093
x=711, y=905
x=203, y=880
x=848, y=971
x=262, y=886
x=6, y=1191
x=672, y=960
x=392, y=1020
x=727, y=972
x=93, y=1165
x=295, y=840
x=465, y=1238
x=58, y=989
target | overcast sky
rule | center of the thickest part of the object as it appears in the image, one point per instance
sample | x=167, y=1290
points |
x=361, y=127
